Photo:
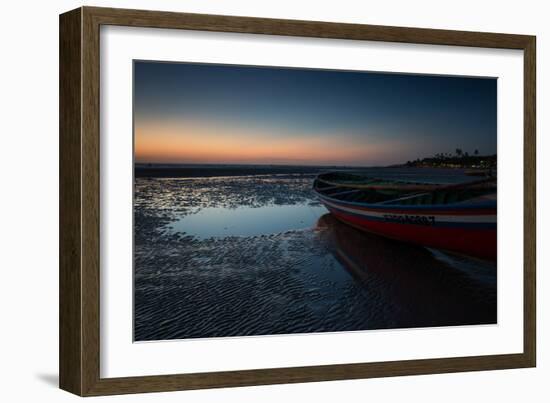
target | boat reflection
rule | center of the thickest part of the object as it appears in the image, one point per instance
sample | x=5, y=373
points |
x=414, y=285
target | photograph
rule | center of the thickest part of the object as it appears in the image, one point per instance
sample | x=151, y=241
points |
x=273, y=200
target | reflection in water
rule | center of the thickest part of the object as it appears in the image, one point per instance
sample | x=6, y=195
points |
x=248, y=221
x=423, y=288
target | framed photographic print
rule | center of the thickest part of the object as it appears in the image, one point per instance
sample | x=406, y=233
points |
x=249, y=201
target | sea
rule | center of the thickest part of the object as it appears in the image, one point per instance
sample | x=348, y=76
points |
x=248, y=251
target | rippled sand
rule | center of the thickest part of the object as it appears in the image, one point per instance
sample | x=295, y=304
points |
x=327, y=278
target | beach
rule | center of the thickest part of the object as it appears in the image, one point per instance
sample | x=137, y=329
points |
x=241, y=251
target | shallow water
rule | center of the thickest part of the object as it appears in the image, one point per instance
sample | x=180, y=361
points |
x=248, y=221
x=237, y=256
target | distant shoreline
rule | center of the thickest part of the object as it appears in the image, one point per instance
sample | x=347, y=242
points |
x=456, y=161
x=206, y=171
x=211, y=171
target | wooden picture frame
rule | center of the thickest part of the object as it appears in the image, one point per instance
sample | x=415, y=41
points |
x=79, y=279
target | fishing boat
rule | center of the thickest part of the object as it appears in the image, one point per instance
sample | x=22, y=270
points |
x=456, y=217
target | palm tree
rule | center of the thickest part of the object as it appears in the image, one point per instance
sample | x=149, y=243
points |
x=476, y=152
x=458, y=152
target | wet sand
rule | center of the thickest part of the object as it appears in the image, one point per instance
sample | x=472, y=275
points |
x=324, y=278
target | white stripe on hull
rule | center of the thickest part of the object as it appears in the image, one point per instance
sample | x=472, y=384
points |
x=481, y=219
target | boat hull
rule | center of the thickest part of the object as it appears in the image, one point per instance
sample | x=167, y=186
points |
x=469, y=231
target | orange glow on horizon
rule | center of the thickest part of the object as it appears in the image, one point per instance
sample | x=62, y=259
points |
x=192, y=142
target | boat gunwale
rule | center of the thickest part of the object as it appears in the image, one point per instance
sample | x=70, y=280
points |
x=489, y=204
x=378, y=206
x=384, y=205
x=405, y=185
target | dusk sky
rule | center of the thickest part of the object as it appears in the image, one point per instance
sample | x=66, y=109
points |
x=200, y=113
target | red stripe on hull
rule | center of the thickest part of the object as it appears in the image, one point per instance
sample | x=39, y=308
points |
x=480, y=243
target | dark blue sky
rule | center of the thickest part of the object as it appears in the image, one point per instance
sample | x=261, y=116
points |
x=338, y=117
